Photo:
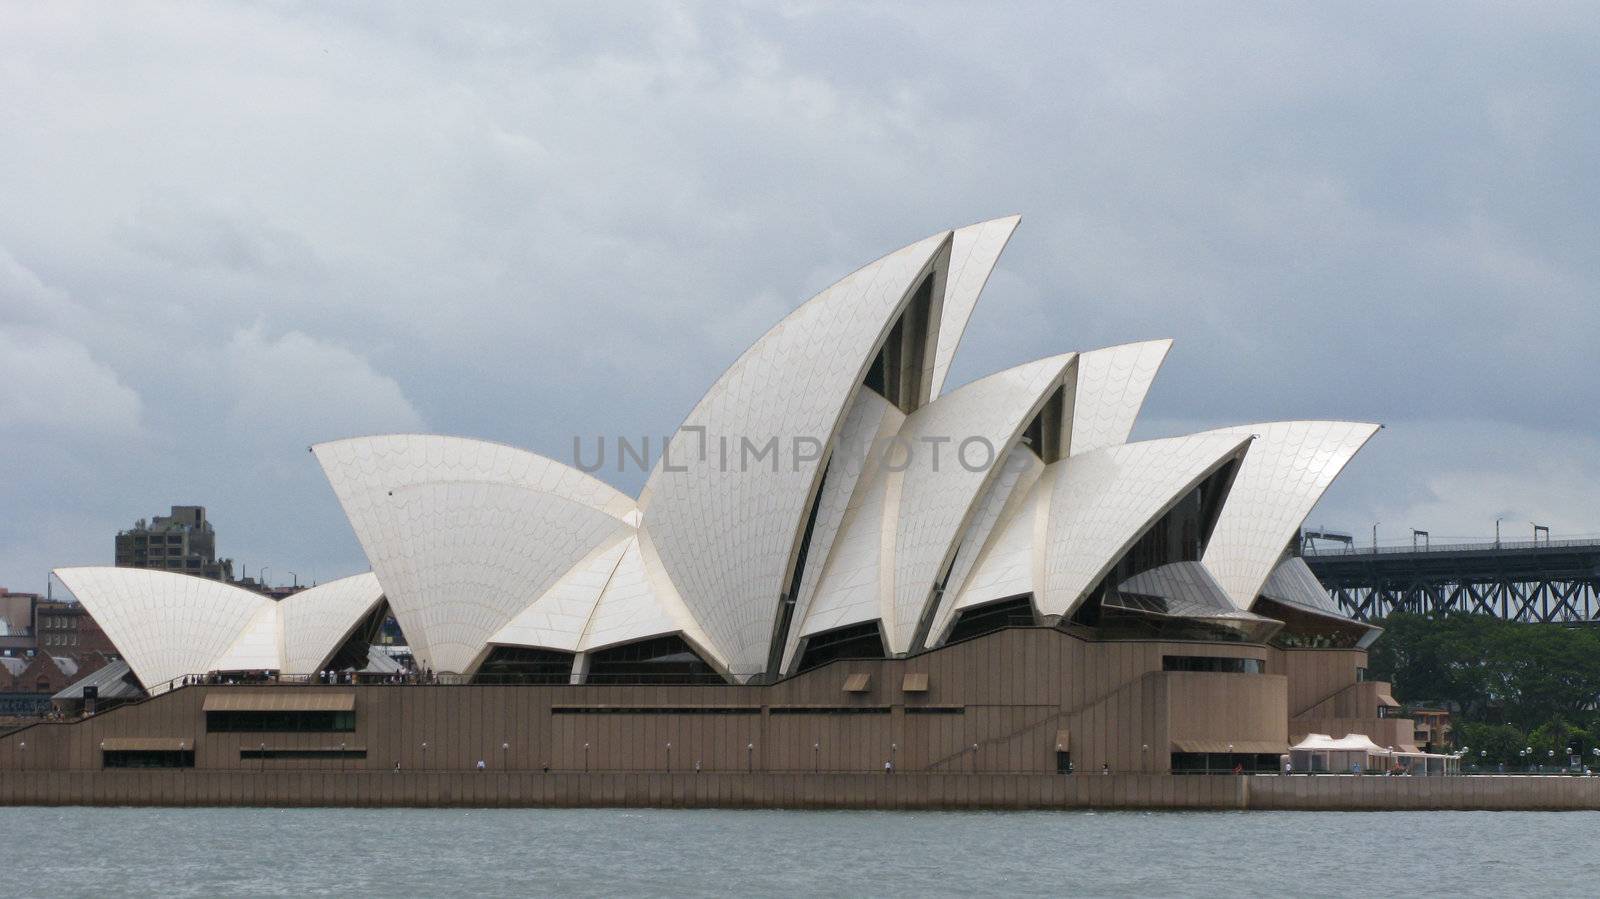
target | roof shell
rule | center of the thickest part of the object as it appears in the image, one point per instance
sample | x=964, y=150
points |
x=318, y=620
x=1289, y=466
x=165, y=625
x=1111, y=387
x=463, y=534
x=727, y=528
x=937, y=501
x=1102, y=501
x=974, y=250
x=892, y=551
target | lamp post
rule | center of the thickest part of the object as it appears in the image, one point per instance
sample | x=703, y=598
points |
x=341, y=756
x=1144, y=757
x=1230, y=745
x=505, y=756
x=974, y=757
x=669, y=758
x=750, y=757
x=586, y=758
x=22, y=749
x=424, y=756
x=263, y=750
x=894, y=749
x=816, y=756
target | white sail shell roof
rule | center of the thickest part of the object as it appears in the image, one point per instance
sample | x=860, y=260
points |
x=727, y=528
x=871, y=423
x=899, y=538
x=169, y=625
x=465, y=534
x=1289, y=466
x=973, y=252
x=1104, y=500
x=557, y=619
x=315, y=622
x=1112, y=384
x=165, y=625
x=937, y=500
x=997, y=558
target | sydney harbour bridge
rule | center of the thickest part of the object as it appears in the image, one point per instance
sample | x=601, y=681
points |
x=1540, y=580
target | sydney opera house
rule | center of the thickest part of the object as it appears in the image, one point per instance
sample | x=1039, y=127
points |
x=837, y=564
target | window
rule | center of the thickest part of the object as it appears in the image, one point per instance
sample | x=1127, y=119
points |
x=279, y=722
x=654, y=710
x=986, y=619
x=147, y=758
x=829, y=710
x=857, y=641
x=661, y=660
x=1063, y=762
x=1224, y=763
x=1212, y=663
x=302, y=753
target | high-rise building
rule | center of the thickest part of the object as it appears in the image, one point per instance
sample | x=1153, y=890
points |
x=181, y=542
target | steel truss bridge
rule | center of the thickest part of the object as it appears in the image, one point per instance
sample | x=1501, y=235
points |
x=1547, y=581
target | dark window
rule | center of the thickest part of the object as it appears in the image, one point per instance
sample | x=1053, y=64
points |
x=936, y=710
x=829, y=710
x=139, y=758
x=1225, y=763
x=1063, y=762
x=1361, y=674
x=655, y=710
x=523, y=665
x=302, y=753
x=1212, y=663
x=662, y=660
x=975, y=622
x=279, y=722
x=858, y=641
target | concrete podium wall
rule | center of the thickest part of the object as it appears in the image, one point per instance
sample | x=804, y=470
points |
x=791, y=790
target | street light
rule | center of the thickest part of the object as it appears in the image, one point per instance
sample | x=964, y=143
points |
x=424, y=756
x=505, y=753
x=669, y=758
x=750, y=757
x=816, y=755
x=586, y=758
x=22, y=748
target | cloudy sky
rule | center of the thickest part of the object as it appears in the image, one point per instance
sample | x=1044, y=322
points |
x=227, y=232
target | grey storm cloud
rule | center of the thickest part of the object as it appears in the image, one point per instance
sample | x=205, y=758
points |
x=227, y=232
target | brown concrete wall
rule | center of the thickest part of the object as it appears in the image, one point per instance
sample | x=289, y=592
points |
x=1315, y=676
x=1227, y=707
x=791, y=790
x=994, y=705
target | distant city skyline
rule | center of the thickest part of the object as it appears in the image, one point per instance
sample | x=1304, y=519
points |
x=232, y=232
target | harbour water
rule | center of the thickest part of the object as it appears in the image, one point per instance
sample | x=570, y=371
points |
x=449, y=852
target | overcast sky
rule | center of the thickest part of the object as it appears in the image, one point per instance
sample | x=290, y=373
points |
x=227, y=232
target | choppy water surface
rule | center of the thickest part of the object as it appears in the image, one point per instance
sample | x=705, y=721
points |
x=409, y=852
